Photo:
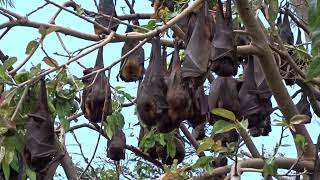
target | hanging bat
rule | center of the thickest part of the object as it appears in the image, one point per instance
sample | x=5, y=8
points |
x=286, y=34
x=132, y=67
x=199, y=107
x=116, y=146
x=96, y=91
x=197, y=54
x=151, y=95
x=198, y=132
x=254, y=98
x=223, y=54
x=39, y=148
x=224, y=94
x=303, y=106
x=178, y=95
x=106, y=7
x=180, y=152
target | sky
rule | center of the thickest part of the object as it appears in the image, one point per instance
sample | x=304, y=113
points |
x=15, y=42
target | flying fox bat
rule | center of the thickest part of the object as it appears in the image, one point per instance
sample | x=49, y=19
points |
x=303, y=106
x=254, y=98
x=106, y=7
x=199, y=107
x=151, y=95
x=39, y=149
x=223, y=54
x=131, y=68
x=286, y=34
x=96, y=91
x=116, y=146
x=224, y=94
x=197, y=54
x=178, y=95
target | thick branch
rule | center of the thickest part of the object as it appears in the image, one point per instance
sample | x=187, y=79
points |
x=257, y=163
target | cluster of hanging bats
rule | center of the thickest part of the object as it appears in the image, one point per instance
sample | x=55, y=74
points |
x=169, y=95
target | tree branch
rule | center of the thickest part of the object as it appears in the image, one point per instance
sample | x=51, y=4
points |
x=257, y=163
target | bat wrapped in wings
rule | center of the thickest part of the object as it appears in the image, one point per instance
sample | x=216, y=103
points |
x=223, y=54
x=39, y=148
x=131, y=68
x=224, y=94
x=197, y=54
x=116, y=146
x=151, y=95
x=178, y=95
x=286, y=36
x=199, y=107
x=96, y=93
x=255, y=100
x=106, y=7
x=303, y=106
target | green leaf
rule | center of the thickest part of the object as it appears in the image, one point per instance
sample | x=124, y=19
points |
x=6, y=170
x=8, y=143
x=152, y=24
x=244, y=124
x=43, y=31
x=314, y=68
x=148, y=141
x=3, y=130
x=9, y=62
x=273, y=9
x=224, y=113
x=52, y=29
x=3, y=74
x=31, y=174
x=2, y=152
x=162, y=139
x=202, y=161
x=113, y=123
x=15, y=163
x=269, y=168
x=62, y=109
x=171, y=149
x=222, y=126
x=299, y=119
x=300, y=141
x=282, y=123
x=22, y=77
x=206, y=144
x=32, y=46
